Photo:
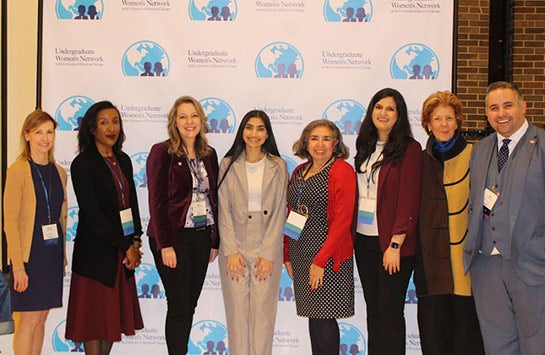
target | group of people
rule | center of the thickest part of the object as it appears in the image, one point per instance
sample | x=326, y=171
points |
x=478, y=253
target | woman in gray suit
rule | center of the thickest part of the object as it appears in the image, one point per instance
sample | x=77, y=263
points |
x=252, y=211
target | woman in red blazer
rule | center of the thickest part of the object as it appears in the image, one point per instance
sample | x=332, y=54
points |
x=388, y=164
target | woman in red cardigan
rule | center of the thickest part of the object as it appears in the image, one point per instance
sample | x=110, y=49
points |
x=318, y=248
x=389, y=169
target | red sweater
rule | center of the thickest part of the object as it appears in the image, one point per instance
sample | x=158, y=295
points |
x=341, y=203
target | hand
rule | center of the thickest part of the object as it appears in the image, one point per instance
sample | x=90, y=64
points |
x=264, y=268
x=213, y=255
x=20, y=280
x=315, y=277
x=169, y=257
x=133, y=258
x=391, y=260
x=289, y=268
x=236, y=266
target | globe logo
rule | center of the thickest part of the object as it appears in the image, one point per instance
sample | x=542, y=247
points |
x=352, y=340
x=213, y=10
x=60, y=344
x=279, y=60
x=79, y=9
x=71, y=111
x=72, y=223
x=145, y=58
x=348, y=10
x=411, y=292
x=290, y=163
x=347, y=115
x=414, y=61
x=208, y=337
x=148, y=282
x=221, y=117
x=285, y=292
x=139, y=168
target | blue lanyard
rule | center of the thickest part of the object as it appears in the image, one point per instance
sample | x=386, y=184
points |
x=194, y=166
x=119, y=182
x=46, y=191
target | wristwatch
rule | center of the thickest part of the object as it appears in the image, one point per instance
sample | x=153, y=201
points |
x=394, y=245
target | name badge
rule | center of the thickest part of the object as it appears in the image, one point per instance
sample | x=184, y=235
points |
x=490, y=198
x=366, y=211
x=127, y=223
x=199, y=213
x=294, y=225
x=50, y=233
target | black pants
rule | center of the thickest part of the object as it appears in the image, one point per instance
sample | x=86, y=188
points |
x=324, y=336
x=448, y=324
x=384, y=296
x=183, y=284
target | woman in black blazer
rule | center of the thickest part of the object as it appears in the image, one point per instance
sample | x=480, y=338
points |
x=103, y=302
x=182, y=177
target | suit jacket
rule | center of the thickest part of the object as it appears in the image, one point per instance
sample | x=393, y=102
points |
x=99, y=237
x=525, y=194
x=398, y=199
x=170, y=189
x=233, y=205
x=20, y=211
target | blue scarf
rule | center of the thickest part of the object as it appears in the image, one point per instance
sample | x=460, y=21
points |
x=442, y=147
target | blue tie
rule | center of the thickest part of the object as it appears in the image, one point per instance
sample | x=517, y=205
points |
x=503, y=154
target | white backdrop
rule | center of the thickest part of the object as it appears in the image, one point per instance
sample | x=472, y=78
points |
x=298, y=60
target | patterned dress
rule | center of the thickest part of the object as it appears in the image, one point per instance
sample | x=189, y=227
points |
x=335, y=299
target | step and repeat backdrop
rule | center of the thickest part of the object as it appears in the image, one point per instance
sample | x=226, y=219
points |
x=298, y=60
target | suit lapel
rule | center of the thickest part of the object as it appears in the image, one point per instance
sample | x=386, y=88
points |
x=518, y=167
x=239, y=167
x=269, y=173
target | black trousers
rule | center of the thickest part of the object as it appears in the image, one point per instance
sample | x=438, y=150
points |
x=384, y=296
x=448, y=324
x=183, y=284
x=324, y=336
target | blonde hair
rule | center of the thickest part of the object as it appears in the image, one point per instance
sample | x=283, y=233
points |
x=33, y=120
x=176, y=144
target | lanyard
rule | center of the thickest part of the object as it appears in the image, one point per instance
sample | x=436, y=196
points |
x=300, y=188
x=194, y=166
x=46, y=190
x=119, y=180
x=369, y=173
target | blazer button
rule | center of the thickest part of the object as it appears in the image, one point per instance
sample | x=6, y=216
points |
x=250, y=217
x=265, y=212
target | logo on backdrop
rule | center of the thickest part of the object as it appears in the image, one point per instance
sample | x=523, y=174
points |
x=347, y=115
x=221, y=117
x=148, y=283
x=279, y=60
x=72, y=223
x=285, y=291
x=208, y=337
x=139, y=168
x=70, y=112
x=352, y=340
x=414, y=61
x=145, y=58
x=79, y=9
x=291, y=167
x=60, y=344
x=348, y=10
x=213, y=10
x=411, y=292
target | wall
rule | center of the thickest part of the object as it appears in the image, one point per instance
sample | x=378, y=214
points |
x=526, y=66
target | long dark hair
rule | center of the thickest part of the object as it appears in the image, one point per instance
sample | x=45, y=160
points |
x=88, y=126
x=398, y=139
x=269, y=147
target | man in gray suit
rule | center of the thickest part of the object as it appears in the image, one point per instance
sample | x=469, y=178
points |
x=505, y=250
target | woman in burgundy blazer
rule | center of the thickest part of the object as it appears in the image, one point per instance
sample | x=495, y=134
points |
x=388, y=164
x=182, y=178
